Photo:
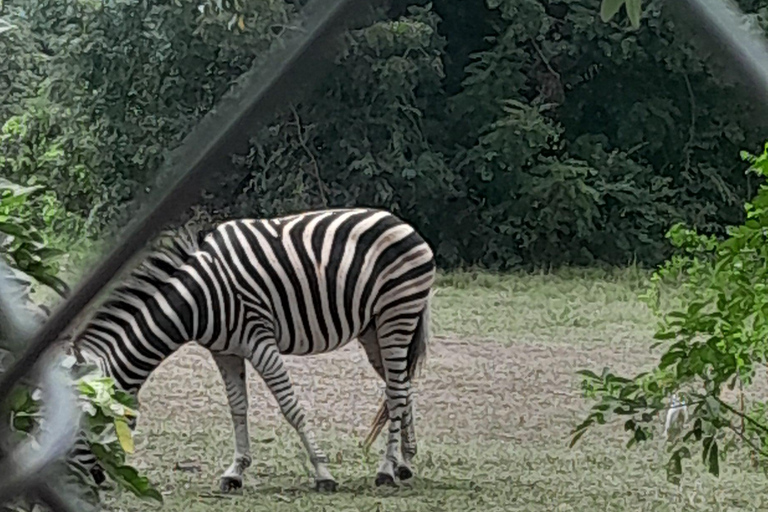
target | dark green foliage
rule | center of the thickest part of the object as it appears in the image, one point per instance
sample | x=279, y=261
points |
x=22, y=247
x=364, y=141
x=616, y=135
x=561, y=139
x=570, y=140
x=124, y=82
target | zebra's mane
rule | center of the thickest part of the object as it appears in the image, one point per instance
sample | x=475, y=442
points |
x=168, y=253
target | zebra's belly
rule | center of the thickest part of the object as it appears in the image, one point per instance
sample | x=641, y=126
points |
x=316, y=344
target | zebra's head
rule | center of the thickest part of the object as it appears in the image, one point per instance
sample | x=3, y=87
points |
x=84, y=349
x=81, y=457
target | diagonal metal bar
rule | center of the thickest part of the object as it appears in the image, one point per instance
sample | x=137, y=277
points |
x=225, y=130
x=23, y=469
x=720, y=25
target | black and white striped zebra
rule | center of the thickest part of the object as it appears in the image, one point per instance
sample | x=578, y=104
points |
x=258, y=289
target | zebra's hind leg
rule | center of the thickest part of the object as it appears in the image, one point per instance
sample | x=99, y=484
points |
x=269, y=363
x=394, y=338
x=408, y=439
x=402, y=469
x=232, y=369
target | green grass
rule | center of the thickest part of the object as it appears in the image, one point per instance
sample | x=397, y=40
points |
x=592, y=303
x=474, y=475
x=523, y=330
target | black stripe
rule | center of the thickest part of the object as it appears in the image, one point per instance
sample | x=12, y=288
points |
x=362, y=246
x=251, y=266
x=339, y=246
x=411, y=275
x=276, y=244
x=205, y=316
x=308, y=265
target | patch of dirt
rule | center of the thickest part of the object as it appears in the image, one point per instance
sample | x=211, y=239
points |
x=524, y=392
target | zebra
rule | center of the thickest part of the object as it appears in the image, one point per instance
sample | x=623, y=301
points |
x=259, y=289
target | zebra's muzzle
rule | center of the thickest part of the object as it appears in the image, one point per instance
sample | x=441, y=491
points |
x=97, y=473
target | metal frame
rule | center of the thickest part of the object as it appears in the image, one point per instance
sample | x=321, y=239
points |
x=258, y=94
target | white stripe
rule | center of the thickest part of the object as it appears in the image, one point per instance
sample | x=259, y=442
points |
x=275, y=265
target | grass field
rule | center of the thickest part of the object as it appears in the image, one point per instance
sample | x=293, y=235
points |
x=496, y=402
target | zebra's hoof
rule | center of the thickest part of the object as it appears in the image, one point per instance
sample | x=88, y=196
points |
x=230, y=483
x=326, y=485
x=384, y=479
x=403, y=472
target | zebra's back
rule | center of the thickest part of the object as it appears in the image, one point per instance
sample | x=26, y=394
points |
x=323, y=275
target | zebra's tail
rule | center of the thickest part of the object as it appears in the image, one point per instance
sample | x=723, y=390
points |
x=417, y=352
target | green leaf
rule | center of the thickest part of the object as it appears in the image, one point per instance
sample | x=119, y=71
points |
x=20, y=399
x=634, y=11
x=588, y=374
x=124, y=435
x=670, y=358
x=713, y=460
x=13, y=229
x=695, y=307
x=675, y=464
x=129, y=478
x=609, y=8
x=576, y=437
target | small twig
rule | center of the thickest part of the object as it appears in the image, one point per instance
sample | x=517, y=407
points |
x=544, y=59
x=315, y=166
x=741, y=404
x=692, y=128
x=216, y=496
x=750, y=443
x=637, y=147
x=743, y=416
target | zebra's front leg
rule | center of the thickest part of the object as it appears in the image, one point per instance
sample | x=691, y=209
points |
x=232, y=369
x=269, y=363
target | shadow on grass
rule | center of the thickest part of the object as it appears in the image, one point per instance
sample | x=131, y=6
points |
x=356, y=487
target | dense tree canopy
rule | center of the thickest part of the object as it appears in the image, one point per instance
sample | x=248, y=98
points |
x=510, y=132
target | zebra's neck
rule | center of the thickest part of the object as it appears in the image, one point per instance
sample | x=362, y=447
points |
x=144, y=324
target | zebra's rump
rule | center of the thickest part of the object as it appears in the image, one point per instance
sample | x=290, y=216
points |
x=323, y=276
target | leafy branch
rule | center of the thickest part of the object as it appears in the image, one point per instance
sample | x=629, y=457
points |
x=717, y=334
x=633, y=8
